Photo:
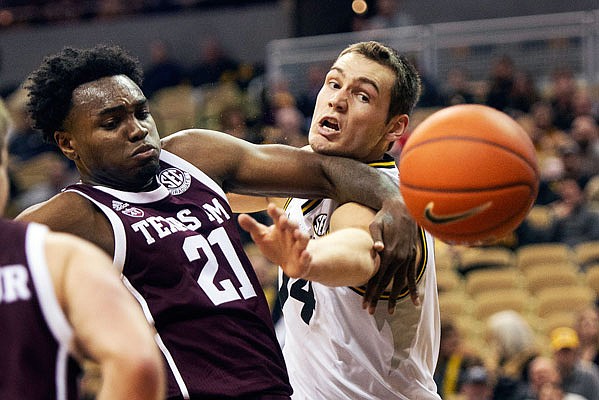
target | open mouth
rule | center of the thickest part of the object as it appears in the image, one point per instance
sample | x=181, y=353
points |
x=330, y=124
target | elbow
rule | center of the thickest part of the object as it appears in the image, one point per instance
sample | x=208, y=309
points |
x=140, y=376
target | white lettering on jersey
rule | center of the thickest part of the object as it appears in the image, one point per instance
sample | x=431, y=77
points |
x=216, y=211
x=191, y=222
x=13, y=283
x=158, y=227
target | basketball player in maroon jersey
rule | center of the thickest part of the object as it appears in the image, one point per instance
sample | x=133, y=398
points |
x=158, y=207
x=61, y=302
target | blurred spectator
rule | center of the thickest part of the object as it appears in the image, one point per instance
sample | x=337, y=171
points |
x=587, y=329
x=389, y=14
x=307, y=99
x=457, y=89
x=514, y=345
x=233, y=120
x=573, y=221
x=163, y=71
x=591, y=193
x=548, y=137
x=584, y=104
x=577, y=377
x=37, y=169
x=551, y=166
x=545, y=381
x=585, y=133
x=562, y=90
x=214, y=64
x=501, y=82
x=523, y=94
x=476, y=384
x=275, y=94
x=453, y=360
x=431, y=95
x=288, y=128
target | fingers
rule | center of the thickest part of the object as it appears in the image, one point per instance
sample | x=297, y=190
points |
x=371, y=296
x=412, y=287
x=249, y=224
x=376, y=231
x=398, y=285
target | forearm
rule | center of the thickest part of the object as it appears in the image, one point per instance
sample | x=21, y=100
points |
x=360, y=183
x=342, y=258
x=131, y=380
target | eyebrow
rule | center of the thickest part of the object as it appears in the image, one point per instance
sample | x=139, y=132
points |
x=122, y=107
x=361, y=78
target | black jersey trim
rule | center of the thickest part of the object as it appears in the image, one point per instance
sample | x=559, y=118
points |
x=419, y=273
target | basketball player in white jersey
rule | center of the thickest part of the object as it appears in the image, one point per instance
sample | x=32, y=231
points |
x=61, y=301
x=333, y=349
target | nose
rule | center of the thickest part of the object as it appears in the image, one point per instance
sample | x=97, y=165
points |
x=138, y=130
x=338, y=100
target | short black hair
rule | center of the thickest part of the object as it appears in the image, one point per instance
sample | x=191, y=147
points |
x=50, y=87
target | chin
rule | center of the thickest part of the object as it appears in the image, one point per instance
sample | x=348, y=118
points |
x=148, y=171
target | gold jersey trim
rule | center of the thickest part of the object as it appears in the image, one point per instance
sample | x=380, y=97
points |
x=419, y=273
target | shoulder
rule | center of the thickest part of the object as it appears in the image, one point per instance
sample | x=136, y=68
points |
x=60, y=209
x=217, y=154
x=71, y=213
x=189, y=142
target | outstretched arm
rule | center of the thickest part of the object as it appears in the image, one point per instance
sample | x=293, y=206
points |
x=109, y=326
x=342, y=258
x=283, y=171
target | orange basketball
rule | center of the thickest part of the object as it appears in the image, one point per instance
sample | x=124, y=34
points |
x=469, y=174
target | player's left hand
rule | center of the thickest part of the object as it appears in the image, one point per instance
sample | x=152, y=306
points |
x=396, y=238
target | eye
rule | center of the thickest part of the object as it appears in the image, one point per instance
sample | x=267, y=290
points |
x=334, y=85
x=362, y=97
x=142, y=114
x=110, y=124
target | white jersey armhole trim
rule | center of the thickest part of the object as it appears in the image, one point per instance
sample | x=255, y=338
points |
x=55, y=318
x=120, y=246
x=194, y=171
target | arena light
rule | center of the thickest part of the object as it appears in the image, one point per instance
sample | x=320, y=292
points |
x=359, y=6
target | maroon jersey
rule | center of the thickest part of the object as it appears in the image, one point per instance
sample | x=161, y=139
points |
x=181, y=256
x=34, y=333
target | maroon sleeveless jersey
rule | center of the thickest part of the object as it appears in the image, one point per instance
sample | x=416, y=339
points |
x=181, y=256
x=34, y=333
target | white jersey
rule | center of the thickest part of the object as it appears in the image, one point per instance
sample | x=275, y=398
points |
x=334, y=349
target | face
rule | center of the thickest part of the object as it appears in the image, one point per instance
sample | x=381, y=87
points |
x=111, y=135
x=588, y=325
x=350, y=116
x=565, y=359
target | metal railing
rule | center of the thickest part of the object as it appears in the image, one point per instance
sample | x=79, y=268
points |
x=538, y=44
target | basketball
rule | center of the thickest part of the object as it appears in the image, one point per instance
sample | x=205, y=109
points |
x=469, y=174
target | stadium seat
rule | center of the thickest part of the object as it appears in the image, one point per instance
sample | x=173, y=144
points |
x=543, y=253
x=483, y=280
x=493, y=301
x=587, y=253
x=552, y=276
x=564, y=299
x=475, y=258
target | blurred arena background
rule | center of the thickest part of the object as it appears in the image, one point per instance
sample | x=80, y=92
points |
x=252, y=69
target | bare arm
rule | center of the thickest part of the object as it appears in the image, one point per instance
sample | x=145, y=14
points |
x=284, y=171
x=108, y=324
x=281, y=171
x=345, y=257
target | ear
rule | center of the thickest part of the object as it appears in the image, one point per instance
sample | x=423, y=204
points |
x=65, y=143
x=397, y=127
